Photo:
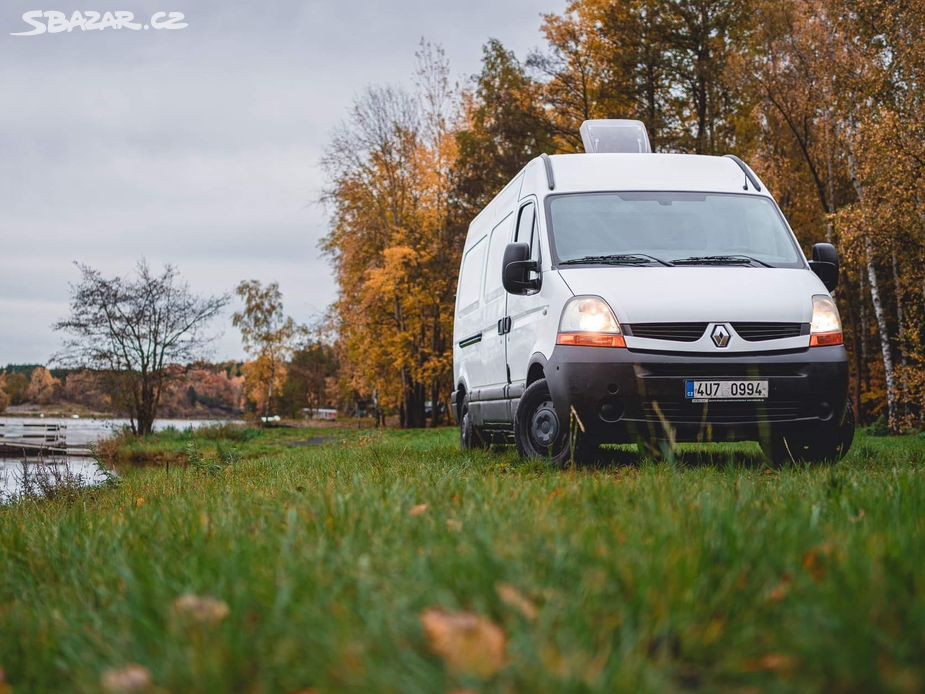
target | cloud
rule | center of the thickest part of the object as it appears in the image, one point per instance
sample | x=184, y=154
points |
x=197, y=147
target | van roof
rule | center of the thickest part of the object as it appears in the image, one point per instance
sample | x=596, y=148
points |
x=676, y=172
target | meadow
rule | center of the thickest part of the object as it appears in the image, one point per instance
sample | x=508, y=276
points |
x=330, y=560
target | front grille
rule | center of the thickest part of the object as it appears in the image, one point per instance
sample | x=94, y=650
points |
x=677, y=332
x=758, y=332
x=721, y=412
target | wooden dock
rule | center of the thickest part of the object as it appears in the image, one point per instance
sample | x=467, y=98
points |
x=30, y=438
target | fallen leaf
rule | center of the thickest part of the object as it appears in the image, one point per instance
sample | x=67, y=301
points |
x=139, y=502
x=772, y=662
x=418, y=510
x=814, y=561
x=511, y=597
x=131, y=678
x=201, y=608
x=468, y=643
x=454, y=525
x=781, y=590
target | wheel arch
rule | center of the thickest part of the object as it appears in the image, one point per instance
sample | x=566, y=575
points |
x=536, y=369
x=458, y=396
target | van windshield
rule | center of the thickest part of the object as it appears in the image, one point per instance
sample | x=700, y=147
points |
x=650, y=228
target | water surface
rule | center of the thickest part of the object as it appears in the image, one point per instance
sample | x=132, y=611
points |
x=18, y=474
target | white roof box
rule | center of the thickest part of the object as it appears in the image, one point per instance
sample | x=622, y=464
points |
x=615, y=135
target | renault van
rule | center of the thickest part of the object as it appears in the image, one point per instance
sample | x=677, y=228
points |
x=624, y=296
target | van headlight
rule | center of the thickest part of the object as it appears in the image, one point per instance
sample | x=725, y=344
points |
x=589, y=321
x=825, y=330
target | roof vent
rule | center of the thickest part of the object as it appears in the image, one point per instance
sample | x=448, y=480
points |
x=615, y=135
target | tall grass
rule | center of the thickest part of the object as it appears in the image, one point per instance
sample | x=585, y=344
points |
x=712, y=571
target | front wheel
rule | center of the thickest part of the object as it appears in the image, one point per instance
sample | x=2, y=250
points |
x=540, y=433
x=828, y=444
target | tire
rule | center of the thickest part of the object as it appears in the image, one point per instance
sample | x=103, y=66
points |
x=828, y=444
x=538, y=432
x=471, y=437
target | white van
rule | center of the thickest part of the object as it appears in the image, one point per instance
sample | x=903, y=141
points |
x=622, y=296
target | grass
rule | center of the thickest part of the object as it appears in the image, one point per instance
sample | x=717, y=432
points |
x=215, y=443
x=711, y=572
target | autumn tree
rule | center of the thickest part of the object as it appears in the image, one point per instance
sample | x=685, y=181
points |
x=88, y=388
x=15, y=384
x=394, y=254
x=42, y=386
x=829, y=80
x=4, y=398
x=136, y=329
x=881, y=119
x=267, y=333
x=309, y=377
x=663, y=62
x=503, y=127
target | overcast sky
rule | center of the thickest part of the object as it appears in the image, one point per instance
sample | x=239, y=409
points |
x=198, y=146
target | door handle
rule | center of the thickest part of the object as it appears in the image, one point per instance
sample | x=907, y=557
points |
x=504, y=325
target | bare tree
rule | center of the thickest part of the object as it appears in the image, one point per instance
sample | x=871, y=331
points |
x=137, y=330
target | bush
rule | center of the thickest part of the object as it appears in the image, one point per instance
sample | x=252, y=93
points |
x=878, y=428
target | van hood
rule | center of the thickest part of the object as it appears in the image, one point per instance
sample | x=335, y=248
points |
x=700, y=293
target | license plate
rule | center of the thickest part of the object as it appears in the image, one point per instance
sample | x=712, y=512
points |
x=699, y=391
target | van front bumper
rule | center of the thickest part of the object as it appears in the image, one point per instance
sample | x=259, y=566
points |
x=620, y=395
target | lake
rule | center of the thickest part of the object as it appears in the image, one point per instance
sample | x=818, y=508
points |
x=17, y=473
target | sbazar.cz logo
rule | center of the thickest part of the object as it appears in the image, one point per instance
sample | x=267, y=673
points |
x=57, y=22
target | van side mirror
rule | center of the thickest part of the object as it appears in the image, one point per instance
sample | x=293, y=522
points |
x=516, y=268
x=825, y=264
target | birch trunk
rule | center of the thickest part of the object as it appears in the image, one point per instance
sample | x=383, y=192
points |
x=900, y=317
x=880, y=315
x=862, y=290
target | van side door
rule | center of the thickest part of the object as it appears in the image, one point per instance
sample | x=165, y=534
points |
x=525, y=312
x=493, y=347
x=468, y=327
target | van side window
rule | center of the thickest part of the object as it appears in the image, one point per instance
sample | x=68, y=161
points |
x=526, y=230
x=470, y=281
x=500, y=237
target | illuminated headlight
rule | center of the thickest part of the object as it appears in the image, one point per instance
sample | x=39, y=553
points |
x=589, y=321
x=825, y=329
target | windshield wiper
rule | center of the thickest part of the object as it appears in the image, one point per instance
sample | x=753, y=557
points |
x=736, y=259
x=617, y=259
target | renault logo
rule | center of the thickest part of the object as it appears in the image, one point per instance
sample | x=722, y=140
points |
x=720, y=336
